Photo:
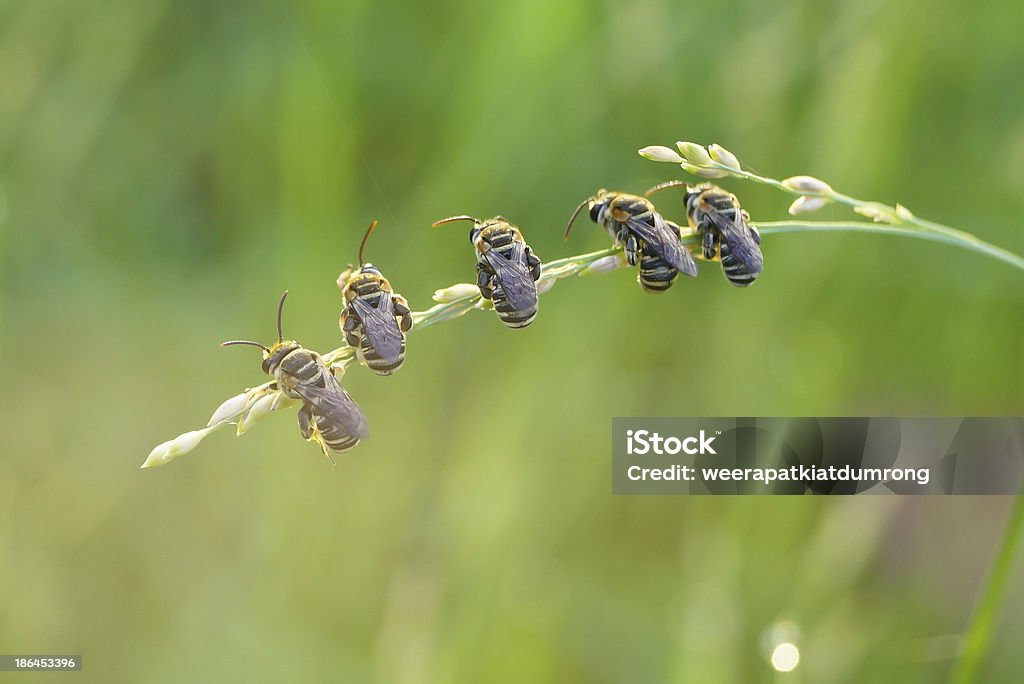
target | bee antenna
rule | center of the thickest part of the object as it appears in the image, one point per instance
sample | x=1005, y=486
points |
x=280, y=308
x=450, y=219
x=572, y=218
x=366, y=237
x=664, y=186
x=248, y=342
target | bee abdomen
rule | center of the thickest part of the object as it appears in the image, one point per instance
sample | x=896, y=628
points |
x=334, y=437
x=509, y=315
x=656, y=274
x=379, y=365
x=735, y=270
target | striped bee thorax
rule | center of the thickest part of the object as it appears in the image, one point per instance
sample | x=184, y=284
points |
x=296, y=367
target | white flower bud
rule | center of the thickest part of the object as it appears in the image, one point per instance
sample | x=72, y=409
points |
x=703, y=173
x=903, y=213
x=694, y=153
x=660, y=153
x=229, y=409
x=605, y=265
x=805, y=205
x=260, y=408
x=808, y=184
x=876, y=213
x=724, y=156
x=182, y=444
x=545, y=285
x=455, y=292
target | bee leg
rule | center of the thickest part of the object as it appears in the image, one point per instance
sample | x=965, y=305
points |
x=483, y=281
x=349, y=327
x=403, y=313
x=306, y=422
x=534, y=263
x=632, y=250
x=327, y=452
x=754, y=233
x=709, y=245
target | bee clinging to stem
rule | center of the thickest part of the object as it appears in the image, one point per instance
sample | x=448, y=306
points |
x=375, y=318
x=647, y=238
x=328, y=416
x=724, y=228
x=507, y=270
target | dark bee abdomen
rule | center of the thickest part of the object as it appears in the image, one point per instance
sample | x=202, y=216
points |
x=335, y=438
x=375, y=363
x=656, y=274
x=510, y=316
x=735, y=270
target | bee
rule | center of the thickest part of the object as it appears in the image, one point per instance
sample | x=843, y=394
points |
x=507, y=270
x=646, y=237
x=725, y=230
x=328, y=415
x=375, y=318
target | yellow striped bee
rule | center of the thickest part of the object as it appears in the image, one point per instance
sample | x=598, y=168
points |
x=375, y=318
x=328, y=415
x=646, y=237
x=725, y=230
x=507, y=270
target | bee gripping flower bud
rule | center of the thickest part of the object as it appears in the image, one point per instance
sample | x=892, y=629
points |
x=169, y=450
x=724, y=156
x=229, y=409
x=694, y=153
x=660, y=153
x=455, y=292
x=805, y=205
x=808, y=184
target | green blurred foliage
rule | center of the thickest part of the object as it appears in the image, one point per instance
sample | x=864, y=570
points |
x=167, y=169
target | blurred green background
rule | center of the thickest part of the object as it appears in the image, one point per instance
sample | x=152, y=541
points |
x=167, y=169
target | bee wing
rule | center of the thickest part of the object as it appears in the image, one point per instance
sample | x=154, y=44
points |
x=513, y=275
x=380, y=326
x=332, y=402
x=666, y=243
x=741, y=239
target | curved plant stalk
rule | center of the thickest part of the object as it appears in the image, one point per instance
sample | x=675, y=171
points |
x=714, y=162
x=813, y=194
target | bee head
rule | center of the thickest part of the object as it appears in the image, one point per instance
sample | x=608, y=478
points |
x=272, y=357
x=369, y=269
